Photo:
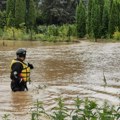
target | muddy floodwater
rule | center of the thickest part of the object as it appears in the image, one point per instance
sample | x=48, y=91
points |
x=82, y=69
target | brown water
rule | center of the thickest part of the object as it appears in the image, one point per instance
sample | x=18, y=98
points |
x=61, y=70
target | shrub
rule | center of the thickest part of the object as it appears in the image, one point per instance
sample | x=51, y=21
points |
x=49, y=33
x=1, y=32
x=42, y=29
x=52, y=30
x=54, y=33
x=63, y=30
x=13, y=33
x=116, y=35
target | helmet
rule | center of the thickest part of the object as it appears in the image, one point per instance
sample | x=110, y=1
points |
x=21, y=52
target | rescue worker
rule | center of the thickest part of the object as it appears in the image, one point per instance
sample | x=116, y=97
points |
x=20, y=71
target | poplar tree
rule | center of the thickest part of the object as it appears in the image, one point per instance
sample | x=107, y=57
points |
x=101, y=7
x=95, y=14
x=119, y=15
x=96, y=20
x=30, y=14
x=10, y=12
x=81, y=20
x=2, y=19
x=20, y=12
x=89, y=10
x=114, y=17
x=105, y=19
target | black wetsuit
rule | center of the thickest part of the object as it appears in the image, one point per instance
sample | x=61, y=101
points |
x=17, y=84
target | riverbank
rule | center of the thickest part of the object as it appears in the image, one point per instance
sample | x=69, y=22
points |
x=35, y=42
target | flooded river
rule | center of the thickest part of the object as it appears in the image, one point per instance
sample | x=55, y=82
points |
x=83, y=69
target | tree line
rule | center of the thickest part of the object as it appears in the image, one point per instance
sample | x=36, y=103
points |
x=91, y=18
x=20, y=12
x=38, y=12
x=100, y=19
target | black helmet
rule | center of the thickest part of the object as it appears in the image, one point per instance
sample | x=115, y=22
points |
x=21, y=52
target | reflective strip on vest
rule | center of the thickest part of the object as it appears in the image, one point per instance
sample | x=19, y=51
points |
x=25, y=74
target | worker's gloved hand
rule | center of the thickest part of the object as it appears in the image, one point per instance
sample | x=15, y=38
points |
x=30, y=65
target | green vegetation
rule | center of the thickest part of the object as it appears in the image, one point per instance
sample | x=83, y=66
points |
x=30, y=14
x=57, y=12
x=95, y=22
x=20, y=12
x=114, y=17
x=83, y=110
x=116, y=35
x=49, y=33
x=81, y=20
x=27, y=19
x=10, y=13
x=5, y=117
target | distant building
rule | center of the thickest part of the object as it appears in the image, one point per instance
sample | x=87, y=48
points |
x=2, y=4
